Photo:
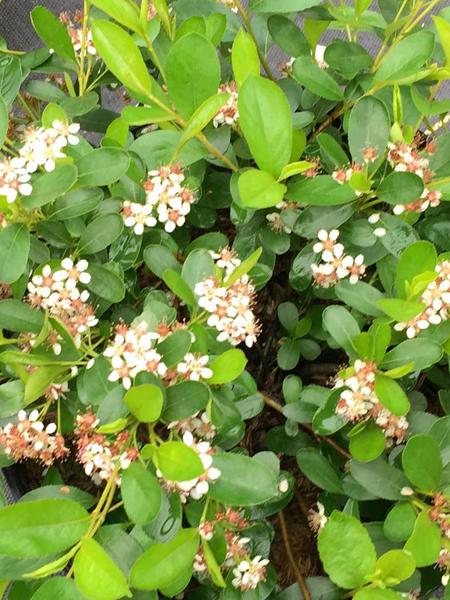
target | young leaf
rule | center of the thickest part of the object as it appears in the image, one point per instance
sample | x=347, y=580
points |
x=391, y=395
x=259, y=189
x=228, y=366
x=52, y=32
x=266, y=121
x=395, y=566
x=97, y=575
x=178, y=462
x=202, y=116
x=425, y=541
x=399, y=523
x=416, y=259
x=145, y=402
x=244, y=57
x=193, y=72
x=124, y=12
x=123, y=58
x=346, y=551
x=368, y=443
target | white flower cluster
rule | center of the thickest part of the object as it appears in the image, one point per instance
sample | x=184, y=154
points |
x=168, y=201
x=249, y=573
x=132, y=352
x=31, y=439
x=43, y=146
x=58, y=293
x=99, y=456
x=14, y=179
x=230, y=307
x=436, y=299
x=193, y=367
x=360, y=401
x=406, y=159
x=228, y=114
x=199, y=486
x=335, y=265
x=275, y=218
x=199, y=425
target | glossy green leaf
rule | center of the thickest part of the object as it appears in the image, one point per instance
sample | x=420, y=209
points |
x=380, y=478
x=244, y=57
x=288, y=36
x=406, y=57
x=266, y=121
x=421, y=460
x=228, y=366
x=399, y=522
x=17, y=316
x=416, y=259
x=100, y=233
x=102, y=166
x=391, y=395
x=202, y=116
x=425, y=541
x=400, y=188
x=141, y=494
x=124, y=12
x=58, y=587
x=14, y=250
x=308, y=73
x=4, y=117
x=145, y=402
x=368, y=443
x=51, y=185
x=368, y=127
x=342, y=327
x=184, y=400
x=52, y=32
x=320, y=190
x=319, y=470
x=178, y=462
x=97, y=575
x=106, y=284
x=259, y=189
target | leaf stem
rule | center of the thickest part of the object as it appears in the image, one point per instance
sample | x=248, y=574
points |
x=298, y=575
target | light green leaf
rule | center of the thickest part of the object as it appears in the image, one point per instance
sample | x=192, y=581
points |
x=145, y=402
x=391, y=395
x=202, y=116
x=259, y=189
x=421, y=460
x=141, y=494
x=228, y=366
x=244, y=57
x=52, y=32
x=406, y=57
x=178, y=462
x=14, y=251
x=124, y=12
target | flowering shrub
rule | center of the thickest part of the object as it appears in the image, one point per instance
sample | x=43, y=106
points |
x=247, y=263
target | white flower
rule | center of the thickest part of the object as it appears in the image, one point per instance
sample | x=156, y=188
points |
x=374, y=218
x=138, y=216
x=65, y=133
x=407, y=491
x=379, y=232
x=248, y=574
x=283, y=486
x=319, y=55
x=228, y=114
x=14, y=179
x=327, y=245
x=194, y=367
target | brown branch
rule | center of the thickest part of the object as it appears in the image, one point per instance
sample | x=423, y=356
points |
x=278, y=407
x=298, y=575
x=337, y=112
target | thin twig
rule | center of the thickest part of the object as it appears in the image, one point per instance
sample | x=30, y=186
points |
x=298, y=575
x=278, y=407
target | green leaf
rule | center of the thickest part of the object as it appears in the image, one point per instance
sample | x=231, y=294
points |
x=348, y=58
x=422, y=352
x=52, y=32
x=395, y=566
x=244, y=57
x=332, y=150
x=106, y=284
x=362, y=296
x=342, y=327
x=443, y=30
x=401, y=310
x=319, y=470
x=178, y=462
x=368, y=443
x=308, y=73
x=320, y=190
x=184, y=400
x=228, y=366
x=58, y=587
x=123, y=58
x=179, y=287
x=391, y=395
x=346, y=550
x=102, y=166
x=17, y=316
x=399, y=523
x=266, y=121
x=245, y=267
x=34, y=529
x=414, y=260
x=66, y=492
x=10, y=78
x=193, y=72
x=144, y=115
x=161, y=564
x=14, y=250
x=174, y=347
x=368, y=127
x=97, y=575
x=39, y=380
x=122, y=11
x=294, y=168
x=406, y=57
x=376, y=594
x=288, y=36
x=202, y=116
x=145, y=402
x=380, y=478
x=159, y=259
x=425, y=540
x=244, y=481
x=76, y=203
x=141, y=494
x=100, y=233
x=282, y=6
x=198, y=266
x=50, y=185
x=259, y=189
x=400, y=188
x=422, y=464
x=427, y=107
x=4, y=117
